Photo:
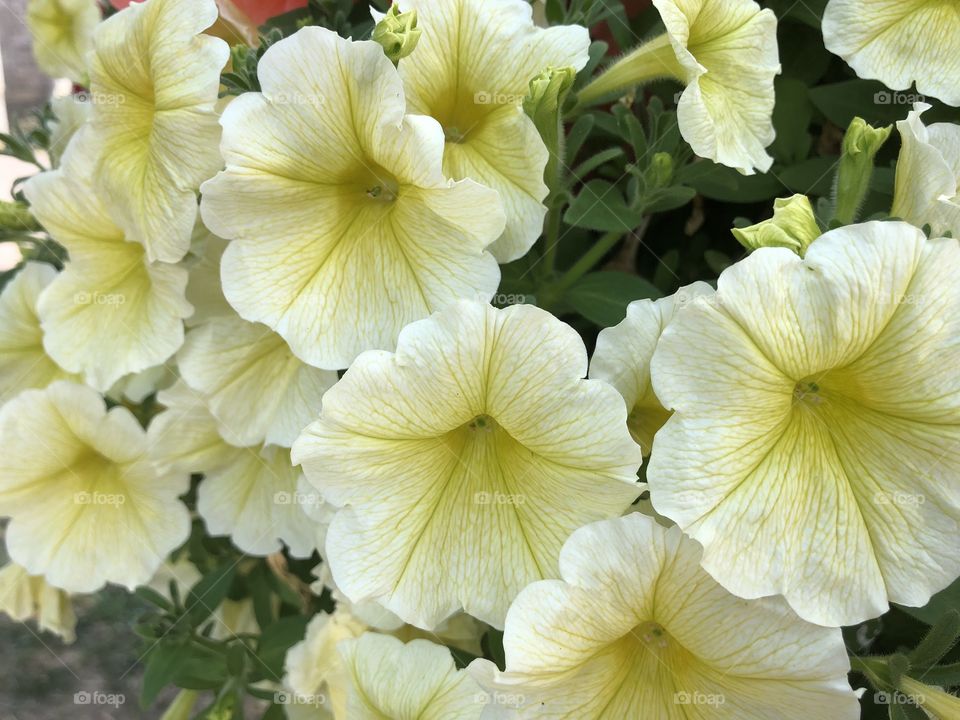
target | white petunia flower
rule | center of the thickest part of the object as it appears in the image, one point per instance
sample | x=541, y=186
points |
x=471, y=70
x=344, y=227
x=814, y=448
x=154, y=85
x=622, y=358
x=110, y=312
x=898, y=42
x=71, y=112
x=389, y=679
x=62, y=32
x=636, y=629
x=23, y=361
x=258, y=390
x=725, y=52
x=462, y=462
x=29, y=597
x=87, y=505
x=927, y=188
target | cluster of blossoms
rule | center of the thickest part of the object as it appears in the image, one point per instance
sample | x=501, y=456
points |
x=302, y=275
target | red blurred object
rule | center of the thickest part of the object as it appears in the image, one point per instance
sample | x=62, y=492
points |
x=259, y=11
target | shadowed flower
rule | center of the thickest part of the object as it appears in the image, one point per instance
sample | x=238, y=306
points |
x=471, y=71
x=154, y=84
x=637, y=629
x=87, y=505
x=344, y=228
x=462, y=462
x=899, y=42
x=815, y=445
x=62, y=32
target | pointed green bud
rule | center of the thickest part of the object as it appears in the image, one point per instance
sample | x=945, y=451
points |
x=398, y=33
x=660, y=172
x=860, y=145
x=793, y=226
x=544, y=105
x=17, y=216
x=934, y=700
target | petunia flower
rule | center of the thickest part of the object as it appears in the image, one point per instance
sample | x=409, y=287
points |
x=471, y=70
x=154, y=84
x=622, y=358
x=71, y=112
x=725, y=53
x=927, y=187
x=87, y=505
x=110, y=312
x=62, y=32
x=406, y=681
x=23, y=361
x=934, y=700
x=344, y=228
x=463, y=461
x=814, y=448
x=29, y=597
x=636, y=628
x=255, y=387
x=249, y=493
x=898, y=42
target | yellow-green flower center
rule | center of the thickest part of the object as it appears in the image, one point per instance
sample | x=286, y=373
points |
x=379, y=184
x=808, y=392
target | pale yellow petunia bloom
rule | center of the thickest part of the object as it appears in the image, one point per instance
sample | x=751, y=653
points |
x=23, y=361
x=463, y=461
x=110, y=312
x=87, y=505
x=29, y=597
x=899, y=42
x=471, y=70
x=622, y=358
x=927, y=187
x=814, y=450
x=154, y=86
x=62, y=33
x=343, y=226
x=637, y=629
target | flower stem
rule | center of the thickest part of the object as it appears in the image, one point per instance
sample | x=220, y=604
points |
x=580, y=268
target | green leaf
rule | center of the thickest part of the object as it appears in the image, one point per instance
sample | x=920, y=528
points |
x=810, y=177
x=718, y=182
x=791, y=118
x=576, y=137
x=941, y=603
x=162, y=663
x=204, y=671
x=600, y=206
x=602, y=297
x=943, y=675
x=664, y=199
x=938, y=642
x=872, y=101
x=275, y=640
x=209, y=592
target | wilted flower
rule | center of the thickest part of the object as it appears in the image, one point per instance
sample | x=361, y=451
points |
x=62, y=33
x=815, y=445
x=637, y=629
x=344, y=228
x=87, y=505
x=462, y=462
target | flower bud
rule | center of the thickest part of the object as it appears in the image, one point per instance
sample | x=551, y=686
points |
x=544, y=105
x=398, y=33
x=793, y=226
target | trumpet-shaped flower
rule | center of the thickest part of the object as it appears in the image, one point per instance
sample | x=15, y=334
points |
x=248, y=493
x=387, y=678
x=87, y=506
x=29, y=597
x=154, y=85
x=23, y=361
x=471, y=70
x=464, y=460
x=110, y=312
x=814, y=448
x=622, y=358
x=898, y=42
x=637, y=629
x=257, y=389
x=62, y=33
x=725, y=52
x=344, y=228
x=927, y=188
